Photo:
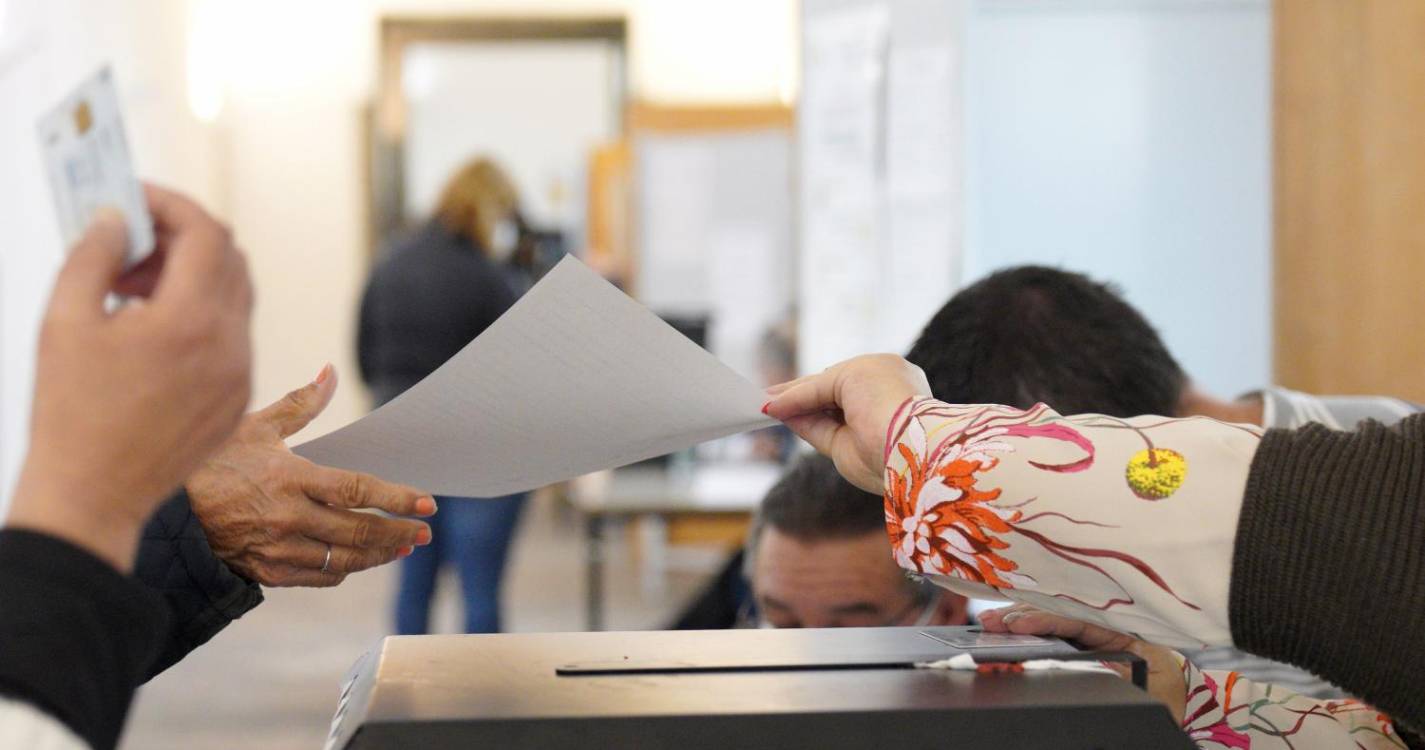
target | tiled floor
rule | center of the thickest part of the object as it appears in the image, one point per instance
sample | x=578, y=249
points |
x=270, y=680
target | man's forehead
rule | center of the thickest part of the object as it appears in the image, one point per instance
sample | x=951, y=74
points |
x=866, y=556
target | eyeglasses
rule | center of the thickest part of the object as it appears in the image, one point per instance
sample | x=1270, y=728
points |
x=926, y=600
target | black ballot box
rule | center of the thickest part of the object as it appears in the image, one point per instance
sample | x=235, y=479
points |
x=726, y=690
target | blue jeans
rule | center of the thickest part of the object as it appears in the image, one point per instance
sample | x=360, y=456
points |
x=474, y=535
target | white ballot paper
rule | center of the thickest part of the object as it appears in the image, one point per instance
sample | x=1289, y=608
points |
x=576, y=377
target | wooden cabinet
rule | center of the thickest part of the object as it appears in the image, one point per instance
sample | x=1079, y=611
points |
x=1350, y=196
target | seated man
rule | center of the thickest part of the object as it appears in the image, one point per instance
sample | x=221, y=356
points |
x=1030, y=334
x=817, y=558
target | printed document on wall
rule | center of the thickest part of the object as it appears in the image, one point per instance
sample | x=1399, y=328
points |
x=841, y=128
x=923, y=213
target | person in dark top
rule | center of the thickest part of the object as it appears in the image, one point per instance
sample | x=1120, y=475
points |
x=128, y=402
x=434, y=293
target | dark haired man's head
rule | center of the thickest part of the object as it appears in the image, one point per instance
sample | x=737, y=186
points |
x=818, y=557
x=1029, y=334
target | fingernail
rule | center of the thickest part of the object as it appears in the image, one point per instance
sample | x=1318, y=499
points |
x=1011, y=617
x=423, y=536
x=766, y=406
x=405, y=551
x=425, y=506
x=324, y=374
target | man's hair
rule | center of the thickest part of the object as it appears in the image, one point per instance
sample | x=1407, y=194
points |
x=1029, y=334
x=812, y=501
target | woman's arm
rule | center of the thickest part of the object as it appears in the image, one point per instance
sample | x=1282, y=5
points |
x=1124, y=523
x=1226, y=711
x=1307, y=547
x=1219, y=710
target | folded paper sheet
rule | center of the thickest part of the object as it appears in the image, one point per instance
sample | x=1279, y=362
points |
x=574, y=378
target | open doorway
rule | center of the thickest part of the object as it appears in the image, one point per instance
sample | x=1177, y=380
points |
x=536, y=95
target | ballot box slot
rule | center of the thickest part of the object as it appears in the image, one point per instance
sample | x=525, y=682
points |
x=1138, y=668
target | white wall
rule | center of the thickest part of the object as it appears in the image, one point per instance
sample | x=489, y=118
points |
x=282, y=162
x=1131, y=140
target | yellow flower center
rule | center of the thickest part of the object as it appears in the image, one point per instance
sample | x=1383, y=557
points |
x=1156, y=473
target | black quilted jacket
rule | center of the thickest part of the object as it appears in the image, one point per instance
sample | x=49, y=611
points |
x=203, y=594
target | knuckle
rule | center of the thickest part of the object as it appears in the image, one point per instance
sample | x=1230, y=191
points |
x=281, y=525
x=358, y=561
x=354, y=488
x=266, y=574
x=295, y=402
x=363, y=531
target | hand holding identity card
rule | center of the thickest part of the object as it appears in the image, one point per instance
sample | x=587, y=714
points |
x=87, y=158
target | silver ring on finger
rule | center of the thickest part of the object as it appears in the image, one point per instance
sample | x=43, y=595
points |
x=326, y=564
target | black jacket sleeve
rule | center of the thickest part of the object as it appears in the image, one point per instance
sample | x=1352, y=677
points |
x=202, y=592
x=76, y=636
x=1329, y=567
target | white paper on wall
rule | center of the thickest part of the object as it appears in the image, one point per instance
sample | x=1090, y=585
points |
x=841, y=133
x=576, y=377
x=923, y=208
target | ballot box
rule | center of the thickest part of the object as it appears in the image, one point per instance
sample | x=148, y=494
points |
x=696, y=690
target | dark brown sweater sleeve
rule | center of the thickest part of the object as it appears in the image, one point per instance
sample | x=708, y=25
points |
x=1329, y=568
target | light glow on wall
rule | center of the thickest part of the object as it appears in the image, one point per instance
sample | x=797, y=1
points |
x=207, y=47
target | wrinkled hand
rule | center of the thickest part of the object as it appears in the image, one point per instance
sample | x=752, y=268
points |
x=270, y=514
x=1165, y=675
x=844, y=411
x=129, y=400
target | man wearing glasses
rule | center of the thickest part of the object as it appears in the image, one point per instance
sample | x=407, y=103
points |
x=817, y=558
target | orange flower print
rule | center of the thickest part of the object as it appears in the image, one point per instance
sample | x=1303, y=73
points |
x=943, y=520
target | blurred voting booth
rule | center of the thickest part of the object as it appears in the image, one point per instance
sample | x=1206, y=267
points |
x=694, y=690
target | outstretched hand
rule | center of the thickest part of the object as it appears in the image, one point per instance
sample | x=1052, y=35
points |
x=271, y=515
x=845, y=411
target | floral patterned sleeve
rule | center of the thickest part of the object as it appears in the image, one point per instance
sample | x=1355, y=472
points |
x=1125, y=523
x=1226, y=711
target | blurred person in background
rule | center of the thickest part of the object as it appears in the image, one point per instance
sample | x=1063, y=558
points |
x=434, y=292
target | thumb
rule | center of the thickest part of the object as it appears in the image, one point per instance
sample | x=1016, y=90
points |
x=93, y=266
x=298, y=408
x=819, y=429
